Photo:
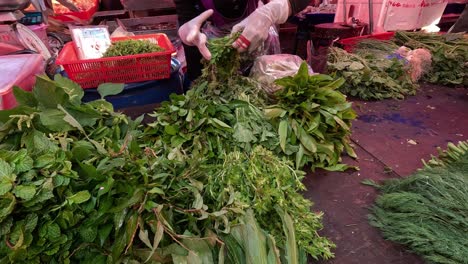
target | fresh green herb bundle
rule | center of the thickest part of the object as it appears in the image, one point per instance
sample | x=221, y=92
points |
x=80, y=183
x=428, y=211
x=225, y=115
x=377, y=44
x=271, y=187
x=313, y=120
x=131, y=47
x=224, y=63
x=191, y=125
x=66, y=173
x=379, y=48
x=449, y=55
x=371, y=77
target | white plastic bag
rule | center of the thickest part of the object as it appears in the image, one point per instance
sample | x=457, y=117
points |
x=268, y=68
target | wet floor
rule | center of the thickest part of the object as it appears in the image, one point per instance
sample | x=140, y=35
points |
x=391, y=138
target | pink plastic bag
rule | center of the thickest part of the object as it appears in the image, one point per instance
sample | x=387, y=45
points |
x=18, y=70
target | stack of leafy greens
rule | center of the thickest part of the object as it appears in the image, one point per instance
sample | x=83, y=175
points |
x=80, y=184
x=207, y=182
x=313, y=120
x=428, y=211
x=131, y=47
x=449, y=55
x=370, y=76
x=309, y=121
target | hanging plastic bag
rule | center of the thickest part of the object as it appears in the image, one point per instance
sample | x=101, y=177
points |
x=268, y=68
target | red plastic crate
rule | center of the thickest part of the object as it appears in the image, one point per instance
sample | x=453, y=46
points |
x=349, y=43
x=124, y=69
x=80, y=17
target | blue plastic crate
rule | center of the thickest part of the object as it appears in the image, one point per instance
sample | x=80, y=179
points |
x=143, y=93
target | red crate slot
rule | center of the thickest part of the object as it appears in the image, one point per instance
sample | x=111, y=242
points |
x=123, y=69
x=84, y=15
x=349, y=43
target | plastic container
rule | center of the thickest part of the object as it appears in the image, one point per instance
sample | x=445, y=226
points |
x=349, y=43
x=80, y=16
x=18, y=70
x=124, y=69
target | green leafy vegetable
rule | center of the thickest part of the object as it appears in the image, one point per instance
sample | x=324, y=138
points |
x=428, y=211
x=371, y=76
x=449, y=55
x=105, y=189
x=313, y=120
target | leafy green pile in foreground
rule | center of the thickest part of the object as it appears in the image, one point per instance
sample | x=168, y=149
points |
x=428, y=211
x=449, y=55
x=206, y=182
x=224, y=113
x=313, y=120
x=369, y=76
x=79, y=184
x=309, y=122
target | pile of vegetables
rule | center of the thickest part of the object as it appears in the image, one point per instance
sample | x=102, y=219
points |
x=449, y=55
x=428, y=211
x=371, y=74
x=211, y=180
x=131, y=47
x=313, y=120
x=379, y=70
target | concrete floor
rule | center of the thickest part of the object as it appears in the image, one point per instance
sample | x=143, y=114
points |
x=391, y=138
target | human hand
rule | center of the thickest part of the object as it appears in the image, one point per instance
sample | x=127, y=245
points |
x=254, y=29
x=191, y=35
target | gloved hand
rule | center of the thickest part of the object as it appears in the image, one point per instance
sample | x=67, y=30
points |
x=191, y=35
x=255, y=27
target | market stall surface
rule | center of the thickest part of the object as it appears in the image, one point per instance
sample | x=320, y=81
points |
x=391, y=138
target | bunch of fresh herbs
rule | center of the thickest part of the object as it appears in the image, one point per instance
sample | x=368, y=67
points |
x=371, y=77
x=270, y=186
x=79, y=183
x=131, y=47
x=428, y=211
x=313, y=120
x=224, y=113
x=449, y=55
x=82, y=183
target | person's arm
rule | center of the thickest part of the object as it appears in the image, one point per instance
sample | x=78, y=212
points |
x=254, y=29
x=187, y=10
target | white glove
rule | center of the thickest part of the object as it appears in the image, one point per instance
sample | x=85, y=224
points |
x=256, y=26
x=190, y=33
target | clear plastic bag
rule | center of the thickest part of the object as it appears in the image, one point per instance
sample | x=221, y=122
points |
x=268, y=68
